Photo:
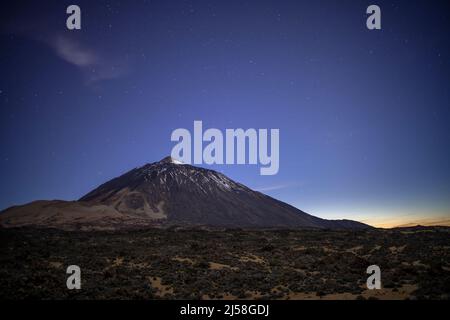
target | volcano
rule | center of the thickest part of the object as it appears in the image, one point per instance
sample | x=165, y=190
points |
x=168, y=193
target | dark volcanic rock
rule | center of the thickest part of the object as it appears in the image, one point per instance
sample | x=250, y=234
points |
x=171, y=193
x=187, y=194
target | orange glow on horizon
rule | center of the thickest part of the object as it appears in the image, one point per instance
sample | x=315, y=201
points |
x=393, y=223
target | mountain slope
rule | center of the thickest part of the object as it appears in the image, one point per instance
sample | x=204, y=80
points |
x=170, y=193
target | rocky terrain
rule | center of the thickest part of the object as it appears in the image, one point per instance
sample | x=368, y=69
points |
x=168, y=230
x=186, y=263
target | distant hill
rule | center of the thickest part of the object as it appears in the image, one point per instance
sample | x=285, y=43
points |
x=426, y=223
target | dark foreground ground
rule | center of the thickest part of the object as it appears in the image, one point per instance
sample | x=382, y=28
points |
x=231, y=264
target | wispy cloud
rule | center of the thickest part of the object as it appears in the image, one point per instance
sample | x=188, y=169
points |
x=73, y=52
x=94, y=66
x=94, y=63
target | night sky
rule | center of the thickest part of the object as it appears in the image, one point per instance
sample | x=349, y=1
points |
x=363, y=115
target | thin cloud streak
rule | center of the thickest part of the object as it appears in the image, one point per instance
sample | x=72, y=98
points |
x=276, y=187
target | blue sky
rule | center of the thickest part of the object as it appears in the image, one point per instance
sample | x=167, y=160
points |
x=363, y=115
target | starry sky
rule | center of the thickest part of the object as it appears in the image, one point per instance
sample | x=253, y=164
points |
x=363, y=115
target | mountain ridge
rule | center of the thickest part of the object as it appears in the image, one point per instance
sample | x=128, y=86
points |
x=167, y=193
